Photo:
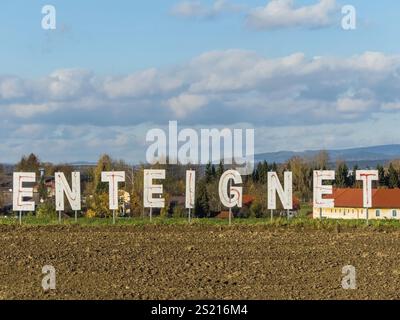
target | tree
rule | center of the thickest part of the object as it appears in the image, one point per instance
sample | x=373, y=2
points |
x=137, y=192
x=381, y=174
x=208, y=172
x=352, y=181
x=274, y=167
x=262, y=169
x=321, y=160
x=300, y=172
x=104, y=164
x=393, y=177
x=28, y=164
x=220, y=169
x=202, y=208
x=342, y=175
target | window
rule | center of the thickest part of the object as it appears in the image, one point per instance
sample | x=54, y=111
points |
x=394, y=213
x=378, y=213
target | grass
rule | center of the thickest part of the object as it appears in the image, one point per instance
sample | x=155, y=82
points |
x=301, y=222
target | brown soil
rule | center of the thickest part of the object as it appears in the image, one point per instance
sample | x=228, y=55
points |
x=197, y=262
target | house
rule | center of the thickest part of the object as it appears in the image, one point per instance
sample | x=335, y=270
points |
x=349, y=205
x=50, y=185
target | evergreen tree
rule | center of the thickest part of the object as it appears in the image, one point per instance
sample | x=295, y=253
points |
x=381, y=175
x=220, y=169
x=208, y=172
x=393, y=177
x=213, y=172
x=263, y=172
x=342, y=175
x=353, y=177
x=202, y=208
x=255, y=175
x=274, y=167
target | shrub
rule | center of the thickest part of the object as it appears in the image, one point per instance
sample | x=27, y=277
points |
x=90, y=214
x=178, y=212
x=46, y=209
x=98, y=204
x=256, y=210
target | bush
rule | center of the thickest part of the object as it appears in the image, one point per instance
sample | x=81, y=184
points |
x=90, y=214
x=98, y=206
x=256, y=210
x=178, y=212
x=46, y=209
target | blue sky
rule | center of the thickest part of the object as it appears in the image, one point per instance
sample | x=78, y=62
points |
x=121, y=36
x=113, y=69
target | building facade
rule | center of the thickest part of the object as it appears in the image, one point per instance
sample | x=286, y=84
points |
x=349, y=205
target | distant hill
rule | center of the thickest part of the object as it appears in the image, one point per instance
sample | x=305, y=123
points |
x=366, y=156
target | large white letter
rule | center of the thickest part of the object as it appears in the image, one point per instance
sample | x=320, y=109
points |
x=320, y=189
x=113, y=178
x=190, y=188
x=274, y=186
x=73, y=195
x=19, y=192
x=367, y=176
x=227, y=199
x=150, y=189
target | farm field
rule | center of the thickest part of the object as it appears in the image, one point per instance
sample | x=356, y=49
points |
x=199, y=261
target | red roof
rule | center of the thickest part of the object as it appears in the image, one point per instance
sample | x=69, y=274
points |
x=353, y=198
x=247, y=199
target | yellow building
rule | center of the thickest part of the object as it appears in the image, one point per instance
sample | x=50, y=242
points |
x=349, y=205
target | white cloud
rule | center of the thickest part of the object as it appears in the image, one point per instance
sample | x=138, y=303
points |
x=284, y=14
x=29, y=110
x=349, y=105
x=218, y=88
x=195, y=9
x=11, y=88
x=391, y=106
x=145, y=83
x=184, y=104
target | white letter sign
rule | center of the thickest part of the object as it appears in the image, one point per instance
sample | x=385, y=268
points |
x=190, y=188
x=19, y=192
x=150, y=189
x=320, y=189
x=367, y=176
x=73, y=195
x=227, y=199
x=274, y=186
x=113, y=178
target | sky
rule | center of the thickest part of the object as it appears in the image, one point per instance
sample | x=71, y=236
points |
x=112, y=70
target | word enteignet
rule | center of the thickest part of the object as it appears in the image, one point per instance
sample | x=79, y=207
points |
x=230, y=191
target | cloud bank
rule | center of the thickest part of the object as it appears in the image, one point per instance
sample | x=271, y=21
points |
x=196, y=9
x=78, y=108
x=276, y=14
x=284, y=14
